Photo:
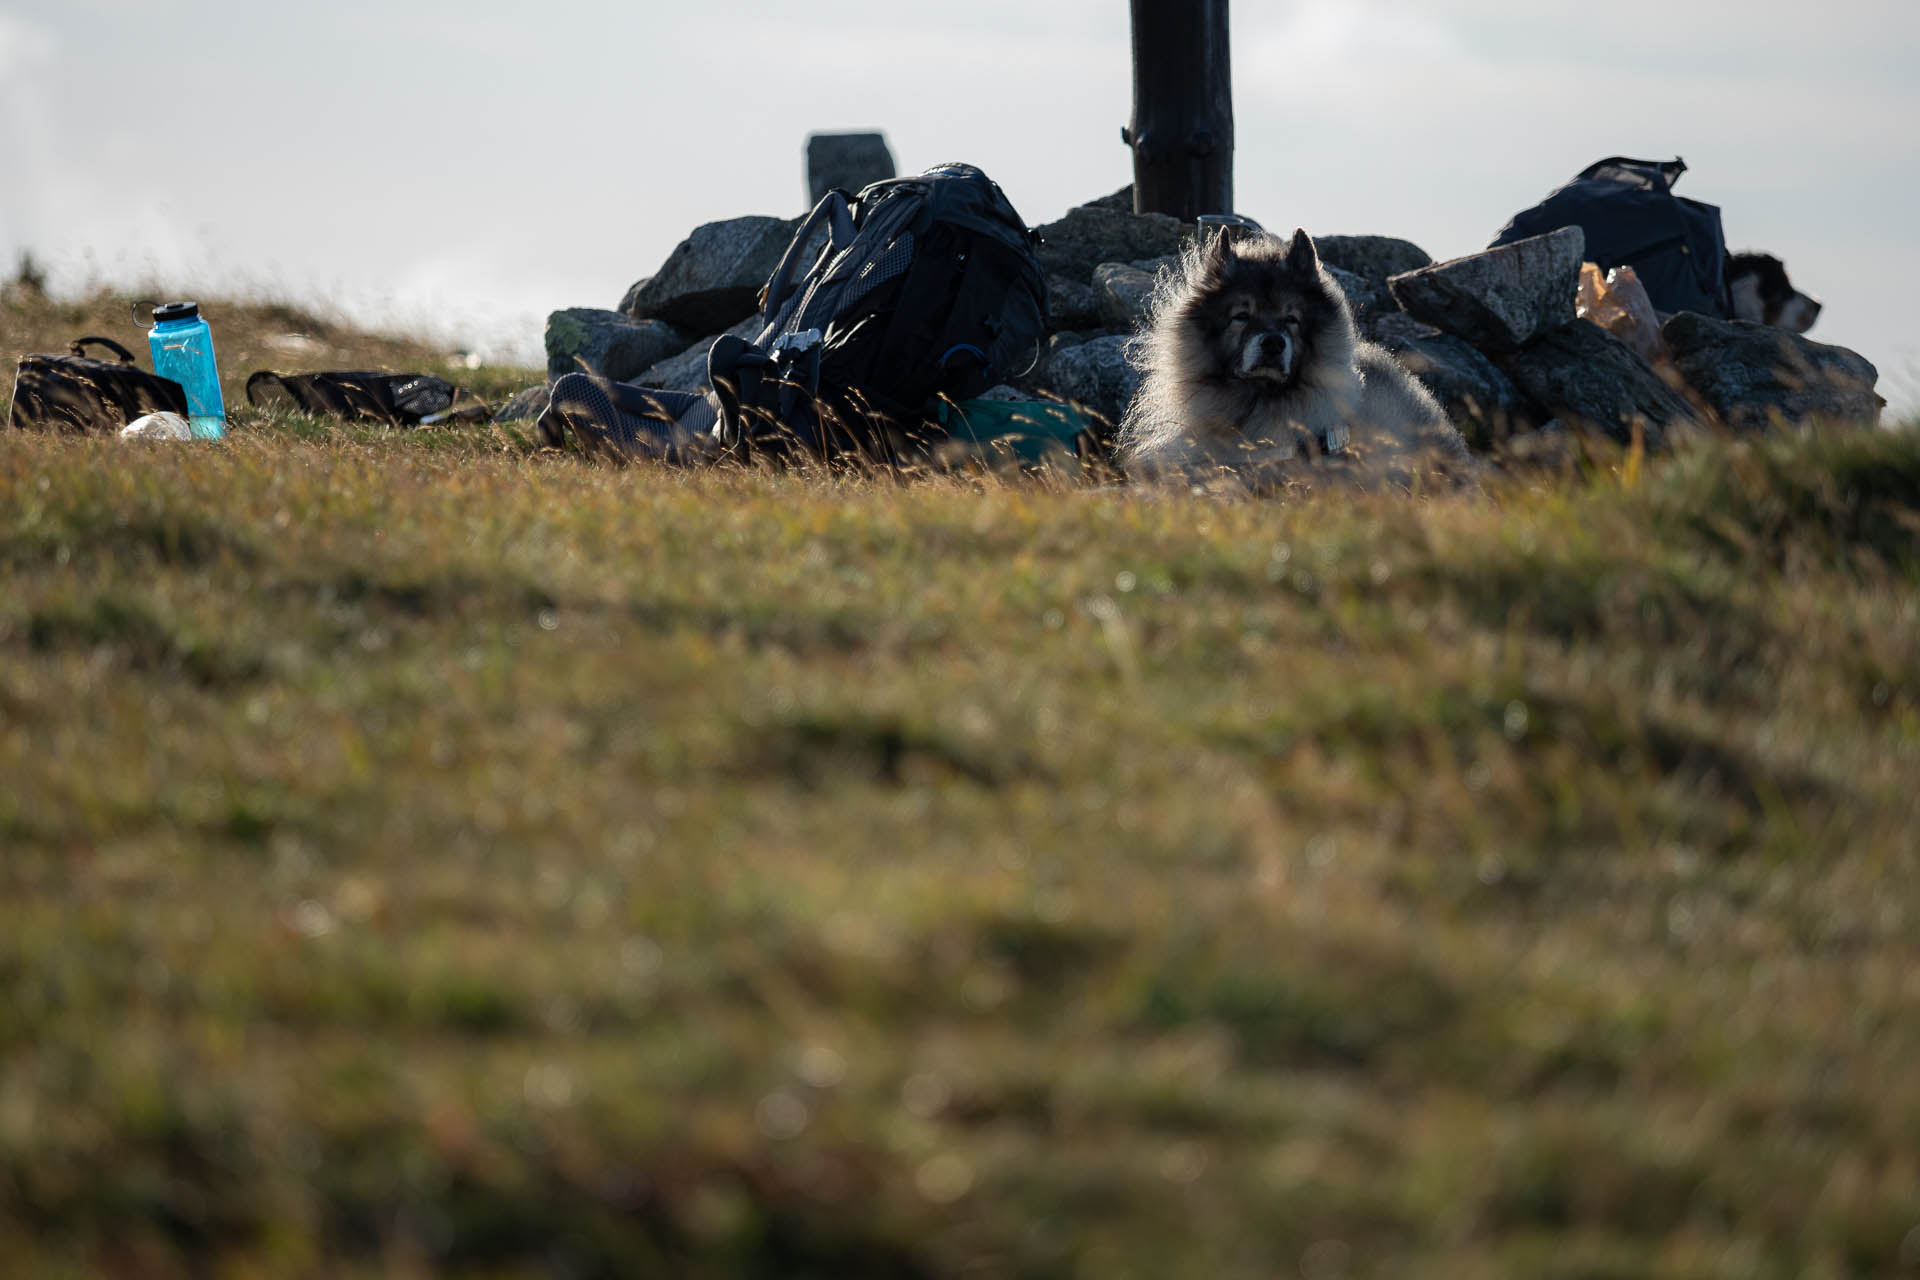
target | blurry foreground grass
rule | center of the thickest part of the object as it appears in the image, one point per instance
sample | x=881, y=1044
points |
x=421, y=856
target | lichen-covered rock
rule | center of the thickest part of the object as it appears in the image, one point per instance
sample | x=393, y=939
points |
x=1755, y=376
x=1369, y=298
x=1583, y=375
x=688, y=370
x=1483, y=403
x=1122, y=294
x=1091, y=234
x=1503, y=299
x=1095, y=373
x=848, y=161
x=1071, y=304
x=587, y=340
x=712, y=279
x=630, y=298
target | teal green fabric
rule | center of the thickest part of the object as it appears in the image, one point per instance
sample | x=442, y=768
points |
x=1030, y=430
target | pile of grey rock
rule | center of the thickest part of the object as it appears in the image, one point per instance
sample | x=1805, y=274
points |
x=1494, y=335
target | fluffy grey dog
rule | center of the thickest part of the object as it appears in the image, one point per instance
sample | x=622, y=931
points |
x=1254, y=369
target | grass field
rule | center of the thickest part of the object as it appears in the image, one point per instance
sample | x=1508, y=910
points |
x=425, y=855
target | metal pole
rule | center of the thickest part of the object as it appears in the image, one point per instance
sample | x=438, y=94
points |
x=1182, y=129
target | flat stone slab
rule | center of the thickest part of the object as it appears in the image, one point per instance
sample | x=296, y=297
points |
x=1503, y=299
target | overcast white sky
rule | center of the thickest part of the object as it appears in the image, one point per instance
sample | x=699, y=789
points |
x=485, y=162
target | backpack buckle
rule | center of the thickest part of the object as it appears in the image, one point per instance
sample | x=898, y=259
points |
x=792, y=346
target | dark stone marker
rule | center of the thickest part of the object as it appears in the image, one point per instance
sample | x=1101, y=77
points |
x=846, y=160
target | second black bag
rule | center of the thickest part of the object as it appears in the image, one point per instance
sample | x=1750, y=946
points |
x=1632, y=218
x=397, y=399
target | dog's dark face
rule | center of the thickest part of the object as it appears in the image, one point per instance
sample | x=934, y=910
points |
x=1761, y=292
x=1261, y=311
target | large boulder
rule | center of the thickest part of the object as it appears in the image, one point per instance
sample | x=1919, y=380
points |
x=1375, y=257
x=1503, y=299
x=1092, y=234
x=1755, y=376
x=688, y=370
x=712, y=279
x=1122, y=294
x=848, y=161
x=1482, y=402
x=1095, y=373
x=1581, y=374
x=586, y=340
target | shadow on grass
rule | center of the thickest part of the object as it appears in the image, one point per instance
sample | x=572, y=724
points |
x=175, y=539
x=141, y=642
x=813, y=750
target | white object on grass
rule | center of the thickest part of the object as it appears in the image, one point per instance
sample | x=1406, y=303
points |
x=158, y=426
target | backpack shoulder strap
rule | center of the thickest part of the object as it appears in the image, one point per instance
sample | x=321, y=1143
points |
x=831, y=210
x=876, y=254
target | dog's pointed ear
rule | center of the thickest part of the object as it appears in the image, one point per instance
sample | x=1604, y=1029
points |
x=1301, y=255
x=1217, y=252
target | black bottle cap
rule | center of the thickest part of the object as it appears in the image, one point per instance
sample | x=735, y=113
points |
x=176, y=311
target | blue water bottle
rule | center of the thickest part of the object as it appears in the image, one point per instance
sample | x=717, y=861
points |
x=183, y=350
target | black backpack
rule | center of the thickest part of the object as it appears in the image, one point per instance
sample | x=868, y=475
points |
x=1632, y=219
x=928, y=288
x=76, y=393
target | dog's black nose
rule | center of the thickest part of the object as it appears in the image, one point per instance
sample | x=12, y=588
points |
x=1271, y=349
x=1267, y=356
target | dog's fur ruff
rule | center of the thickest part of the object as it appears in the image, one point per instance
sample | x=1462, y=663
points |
x=1253, y=368
x=1758, y=285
